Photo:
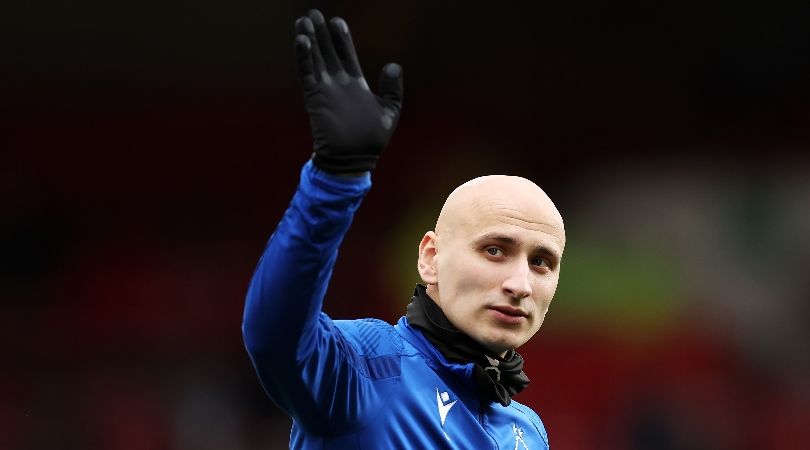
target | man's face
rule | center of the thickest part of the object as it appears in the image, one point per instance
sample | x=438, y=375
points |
x=497, y=261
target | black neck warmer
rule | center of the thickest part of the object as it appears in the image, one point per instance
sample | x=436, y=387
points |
x=498, y=379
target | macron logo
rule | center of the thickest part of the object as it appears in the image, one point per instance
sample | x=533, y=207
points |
x=442, y=401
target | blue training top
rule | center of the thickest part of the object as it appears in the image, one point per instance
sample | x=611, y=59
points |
x=358, y=384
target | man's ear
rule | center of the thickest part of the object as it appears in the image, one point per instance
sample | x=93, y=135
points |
x=428, y=259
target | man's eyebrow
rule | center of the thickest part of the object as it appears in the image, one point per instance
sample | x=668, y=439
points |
x=502, y=238
x=510, y=240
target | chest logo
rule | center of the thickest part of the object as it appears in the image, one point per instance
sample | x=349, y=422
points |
x=519, y=437
x=444, y=404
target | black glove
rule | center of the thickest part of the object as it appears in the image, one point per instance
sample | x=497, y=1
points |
x=351, y=126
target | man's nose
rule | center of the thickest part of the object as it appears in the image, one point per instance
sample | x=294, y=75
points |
x=517, y=284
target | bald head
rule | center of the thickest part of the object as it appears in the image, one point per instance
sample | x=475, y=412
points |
x=507, y=199
x=493, y=262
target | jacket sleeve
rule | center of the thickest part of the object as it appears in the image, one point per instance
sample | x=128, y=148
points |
x=303, y=361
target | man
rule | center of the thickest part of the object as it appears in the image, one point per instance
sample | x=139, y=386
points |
x=443, y=377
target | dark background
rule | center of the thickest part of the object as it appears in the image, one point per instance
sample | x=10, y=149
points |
x=149, y=148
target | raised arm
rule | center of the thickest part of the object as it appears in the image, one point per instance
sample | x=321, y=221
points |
x=300, y=357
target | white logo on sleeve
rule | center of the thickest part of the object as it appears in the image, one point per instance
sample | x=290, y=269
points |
x=444, y=404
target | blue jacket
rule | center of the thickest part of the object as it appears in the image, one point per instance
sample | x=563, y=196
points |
x=358, y=384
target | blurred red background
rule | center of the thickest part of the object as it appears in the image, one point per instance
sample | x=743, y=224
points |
x=149, y=149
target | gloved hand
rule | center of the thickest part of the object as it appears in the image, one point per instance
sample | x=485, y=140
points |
x=350, y=125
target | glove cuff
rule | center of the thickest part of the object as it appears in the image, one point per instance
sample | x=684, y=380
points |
x=345, y=163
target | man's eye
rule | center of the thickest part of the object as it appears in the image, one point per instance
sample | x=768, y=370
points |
x=541, y=262
x=493, y=251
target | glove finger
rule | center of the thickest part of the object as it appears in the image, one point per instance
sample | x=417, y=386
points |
x=303, y=26
x=342, y=40
x=391, y=85
x=306, y=71
x=325, y=42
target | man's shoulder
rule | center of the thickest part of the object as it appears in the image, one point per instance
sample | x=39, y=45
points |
x=377, y=344
x=371, y=337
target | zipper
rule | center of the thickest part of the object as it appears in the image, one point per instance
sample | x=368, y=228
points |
x=481, y=421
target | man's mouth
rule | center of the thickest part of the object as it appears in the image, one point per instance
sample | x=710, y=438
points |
x=508, y=315
x=510, y=310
